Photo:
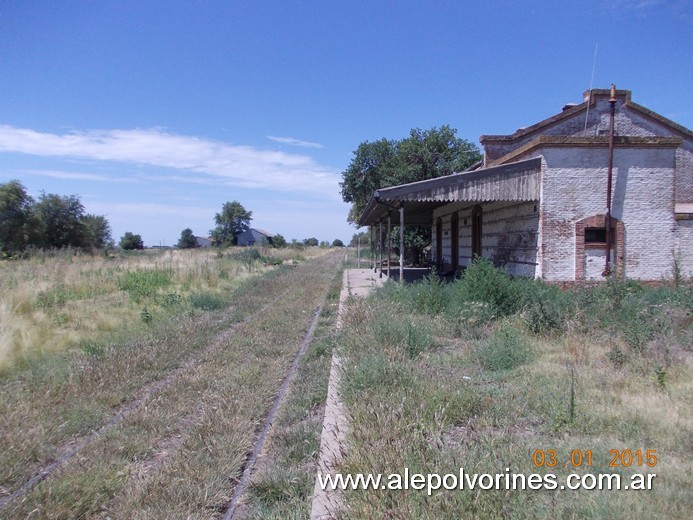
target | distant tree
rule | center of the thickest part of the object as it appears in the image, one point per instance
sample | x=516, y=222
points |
x=311, y=242
x=365, y=239
x=130, y=241
x=187, y=240
x=62, y=221
x=19, y=225
x=337, y=243
x=278, y=241
x=97, y=232
x=233, y=220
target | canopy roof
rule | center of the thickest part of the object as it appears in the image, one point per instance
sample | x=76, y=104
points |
x=518, y=181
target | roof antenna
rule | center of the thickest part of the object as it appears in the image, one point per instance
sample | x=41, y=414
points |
x=589, y=99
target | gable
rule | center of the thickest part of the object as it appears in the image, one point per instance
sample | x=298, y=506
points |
x=588, y=120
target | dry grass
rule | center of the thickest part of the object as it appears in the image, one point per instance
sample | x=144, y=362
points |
x=177, y=452
x=444, y=409
x=51, y=304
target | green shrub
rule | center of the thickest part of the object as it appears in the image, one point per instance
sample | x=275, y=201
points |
x=545, y=307
x=144, y=284
x=505, y=350
x=430, y=296
x=484, y=283
x=206, y=301
x=172, y=300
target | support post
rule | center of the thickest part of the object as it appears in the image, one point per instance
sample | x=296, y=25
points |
x=358, y=253
x=401, y=242
x=389, y=242
x=373, y=256
x=380, y=247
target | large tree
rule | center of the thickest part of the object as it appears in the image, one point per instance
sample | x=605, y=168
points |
x=187, y=240
x=62, y=219
x=97, y=232
x=233, y=220
x=19, y=225
x=423, y=155
x=130, y=241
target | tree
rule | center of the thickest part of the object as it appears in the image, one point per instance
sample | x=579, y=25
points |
x=233, y=220
x=97, y=232
x=278, y=241
x=62, y=220
x=130, y=241
x=311, y=242
x=337, y=243
x=423, y=155
x=19, y=225
x=365, y=239
x=187, y=240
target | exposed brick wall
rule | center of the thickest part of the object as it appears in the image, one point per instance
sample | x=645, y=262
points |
x=509, y=234
x=647, y=183
x=597, y=257
x=574, y=188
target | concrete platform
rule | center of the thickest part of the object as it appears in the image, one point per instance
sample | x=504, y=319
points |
x=355, y=283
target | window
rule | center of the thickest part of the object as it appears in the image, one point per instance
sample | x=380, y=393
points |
x=596, y=236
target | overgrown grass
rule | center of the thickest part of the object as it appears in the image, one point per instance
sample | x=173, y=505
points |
x=515, y=366
x=205, y=386
x=54, y=301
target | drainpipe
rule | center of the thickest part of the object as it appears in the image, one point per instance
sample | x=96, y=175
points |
x=612, y=102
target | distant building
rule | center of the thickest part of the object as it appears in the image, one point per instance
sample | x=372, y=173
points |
x=254, y=236
x=537, y=205
x=203, y=241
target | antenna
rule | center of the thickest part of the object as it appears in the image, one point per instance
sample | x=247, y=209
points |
x=594, y=66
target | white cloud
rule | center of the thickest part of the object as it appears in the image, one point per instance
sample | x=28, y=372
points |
x=238, y=165
x=294, y=142
x=77, y=176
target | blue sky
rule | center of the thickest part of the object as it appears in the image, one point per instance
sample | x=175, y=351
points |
x=157, y=112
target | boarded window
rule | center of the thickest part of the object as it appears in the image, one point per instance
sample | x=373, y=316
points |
x=597, y=236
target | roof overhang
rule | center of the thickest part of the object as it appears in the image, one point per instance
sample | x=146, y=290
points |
x=518, y=181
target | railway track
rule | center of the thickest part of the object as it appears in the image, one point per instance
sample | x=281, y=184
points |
x=165, y=430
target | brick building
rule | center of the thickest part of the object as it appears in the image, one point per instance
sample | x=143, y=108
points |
x=537, y=204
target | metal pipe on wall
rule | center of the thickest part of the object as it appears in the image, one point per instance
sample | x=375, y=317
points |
x=607, y=223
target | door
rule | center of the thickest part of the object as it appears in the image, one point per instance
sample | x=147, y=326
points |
x=476, y=231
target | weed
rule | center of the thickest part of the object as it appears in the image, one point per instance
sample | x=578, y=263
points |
x=505, y=350
x=206, y=301
x=616, y=356
x=146, y=316
x=172, y=300
x=660, y=376
x=144, y=284
x=482, y=282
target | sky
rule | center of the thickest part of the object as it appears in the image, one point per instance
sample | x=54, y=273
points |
x=157, y=112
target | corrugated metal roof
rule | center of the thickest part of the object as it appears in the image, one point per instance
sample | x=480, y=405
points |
x=519, y=181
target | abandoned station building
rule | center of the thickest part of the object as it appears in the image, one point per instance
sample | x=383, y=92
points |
x=538, y=202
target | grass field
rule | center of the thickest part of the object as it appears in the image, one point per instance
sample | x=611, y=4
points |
x=176, y=402
x=489, y=374
x=54, y=302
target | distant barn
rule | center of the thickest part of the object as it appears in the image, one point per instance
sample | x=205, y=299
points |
x=203, y=242
x=254, y=236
